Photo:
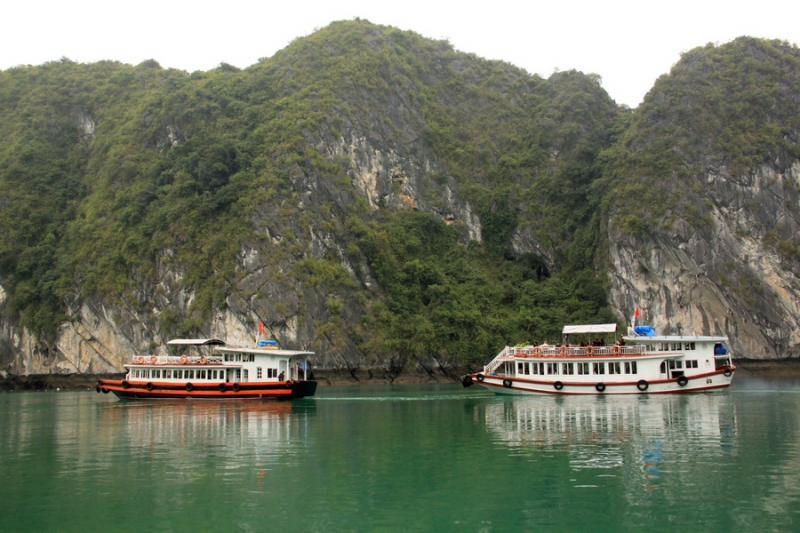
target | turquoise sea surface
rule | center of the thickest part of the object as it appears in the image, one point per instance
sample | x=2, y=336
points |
x=404, y=458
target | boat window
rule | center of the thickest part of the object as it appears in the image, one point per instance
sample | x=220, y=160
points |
x=691, y=364
x=238, y=374
x=613, y=368
x=536, y=368
x=552, y=368
x=598, y=368
x=258, y=372
x=679, y=364
x=191, y=374
x=527, y=369
x=520, y=368
x=691, y=346
x=245, y=375
x=672, y=365
x=583, y=369
x=663, y=367
x=567, y=368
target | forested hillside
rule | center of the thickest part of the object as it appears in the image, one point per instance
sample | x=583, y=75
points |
x=373, y=195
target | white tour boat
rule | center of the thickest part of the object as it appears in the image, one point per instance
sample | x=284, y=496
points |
x=209, y=369
x=640, y=362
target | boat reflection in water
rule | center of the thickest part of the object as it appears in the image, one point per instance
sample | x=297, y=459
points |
x=633, y=437
x=227, y=441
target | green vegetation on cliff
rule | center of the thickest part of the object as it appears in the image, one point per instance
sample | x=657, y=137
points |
x=111, y=174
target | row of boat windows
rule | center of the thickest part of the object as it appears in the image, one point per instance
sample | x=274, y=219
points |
x=213, y=375
x=670, y=346
x=678, y=365
x=581, y=369
x=239, y=357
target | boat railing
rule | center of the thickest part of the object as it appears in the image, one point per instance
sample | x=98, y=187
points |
x=177, y=360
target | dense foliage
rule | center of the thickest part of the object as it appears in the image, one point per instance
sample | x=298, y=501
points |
x=109, y=173
x=732, y=106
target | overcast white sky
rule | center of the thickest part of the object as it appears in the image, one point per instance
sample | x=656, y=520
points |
x=628, y=42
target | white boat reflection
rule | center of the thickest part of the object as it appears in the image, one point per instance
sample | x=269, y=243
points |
x=616, y=432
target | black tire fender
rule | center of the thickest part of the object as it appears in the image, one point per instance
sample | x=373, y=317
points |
x=149, y=385
x=727, y=372
x=558, y=385
x=642, y=385
x=479, y=377
x=236, y=387
x=683, y=381
x=467, y=381
x=600, y=387
x=222, y=387
x=189, y=385
x=105, y=391
x=125, y=384
x=507, y=383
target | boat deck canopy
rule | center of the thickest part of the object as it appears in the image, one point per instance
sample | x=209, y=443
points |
x=196, y=342
x=590, y=328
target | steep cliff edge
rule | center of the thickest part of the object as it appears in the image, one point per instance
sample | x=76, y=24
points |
x=702, y=228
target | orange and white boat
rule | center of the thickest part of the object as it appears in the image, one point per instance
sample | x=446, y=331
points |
x=204, y=369
x=638, y=363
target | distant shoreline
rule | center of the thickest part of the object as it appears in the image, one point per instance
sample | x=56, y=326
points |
x=373, y=376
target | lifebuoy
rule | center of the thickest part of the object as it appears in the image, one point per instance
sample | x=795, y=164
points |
x=236, y=387
x=204, y=360
x=642, y=385
x=589, y=350
x=563, y=351
x=558, y=385
x=600, y=387
x=153, y=359
x=184, y=359
x=727, y=372
x=222, y=387
x=189, y=385
x=125, y=384
x=537, y=350
x=466, y=380
x=682, y=381
x=479, y=377
x=149, y=385
x=138, y=360
x=507, y=383
x=616, y=350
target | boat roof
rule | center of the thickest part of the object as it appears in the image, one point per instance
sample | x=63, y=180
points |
x=196, y=342
x=262, y=351
x=676, y=338
x=590, y=328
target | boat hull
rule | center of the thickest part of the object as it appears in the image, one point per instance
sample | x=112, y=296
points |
x=514, y=385
x=140, y=390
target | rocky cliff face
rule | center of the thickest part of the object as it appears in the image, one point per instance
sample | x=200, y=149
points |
x=723, y=278
x=716, y=254
x=719, y=255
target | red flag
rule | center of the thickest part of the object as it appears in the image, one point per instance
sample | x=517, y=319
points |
x=261, y=327
x=637, y=313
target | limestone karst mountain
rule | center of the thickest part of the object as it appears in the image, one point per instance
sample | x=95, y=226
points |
x=382, y=198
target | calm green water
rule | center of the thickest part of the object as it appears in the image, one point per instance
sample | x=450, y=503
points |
x=404, y=458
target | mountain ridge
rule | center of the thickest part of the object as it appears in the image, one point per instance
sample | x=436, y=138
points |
x=306, y=191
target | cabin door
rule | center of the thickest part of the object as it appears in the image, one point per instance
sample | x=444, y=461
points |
x=283, y=368
x=664, y=369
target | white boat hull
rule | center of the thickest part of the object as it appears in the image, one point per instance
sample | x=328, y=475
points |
x=522, y=385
